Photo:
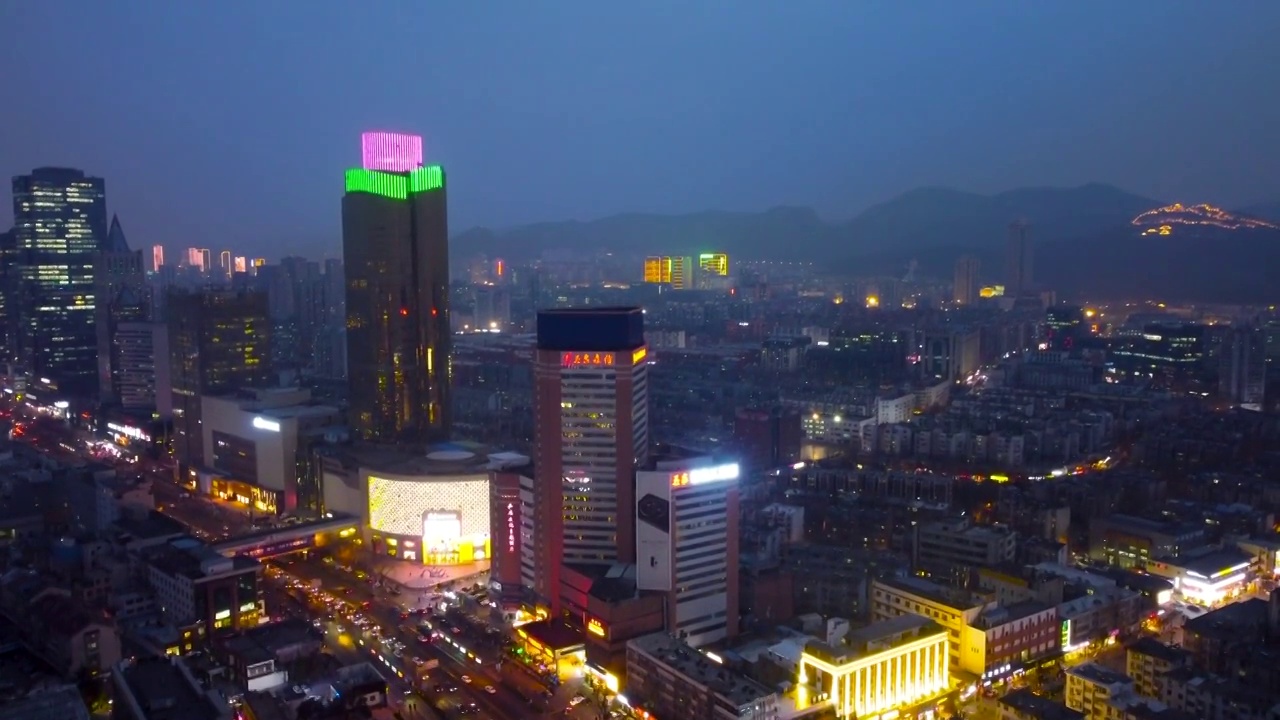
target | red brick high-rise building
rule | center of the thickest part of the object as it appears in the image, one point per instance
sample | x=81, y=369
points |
x=591, y=430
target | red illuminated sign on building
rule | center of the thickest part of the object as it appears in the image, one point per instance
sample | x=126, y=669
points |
x=511, y=527
x=586, y=359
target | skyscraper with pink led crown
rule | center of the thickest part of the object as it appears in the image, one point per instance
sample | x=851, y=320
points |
x=395, y=246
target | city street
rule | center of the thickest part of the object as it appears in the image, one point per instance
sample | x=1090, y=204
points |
x=364, y=614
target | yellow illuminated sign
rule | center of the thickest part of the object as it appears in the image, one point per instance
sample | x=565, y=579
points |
x=714, y=263
x=595, y=627
x=571, y=359
x=639, y=355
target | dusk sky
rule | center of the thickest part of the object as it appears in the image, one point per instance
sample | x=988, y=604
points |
x=229, y=124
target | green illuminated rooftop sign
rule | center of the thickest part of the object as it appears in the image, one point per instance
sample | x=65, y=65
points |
x=427, y=178
x=397, y=186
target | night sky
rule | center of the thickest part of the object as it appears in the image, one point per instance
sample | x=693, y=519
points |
x=228, y=124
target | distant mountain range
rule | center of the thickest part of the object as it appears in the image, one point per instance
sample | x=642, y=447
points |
x=1085, y=242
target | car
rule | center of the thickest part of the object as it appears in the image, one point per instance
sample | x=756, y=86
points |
x=466, y=678
x=491, y=689
x=577, y=700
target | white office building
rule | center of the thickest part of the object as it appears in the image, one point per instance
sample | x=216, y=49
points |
x=687, y=545
x=251, y=442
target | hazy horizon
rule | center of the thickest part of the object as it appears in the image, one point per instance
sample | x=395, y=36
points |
x=230, y=126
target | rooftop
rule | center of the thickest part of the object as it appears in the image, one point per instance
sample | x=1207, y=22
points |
x=1026, y=702
x=265, y=706
x=193, y=559
x=1095, y=673
x=1165, y=527
x=554, y=634
x=1234, y=621
x=164, y=692
x=153, y=525
x=298, y=411
x=62, y=615
x=952, y=598
x=1156, y=649
x=62, y=703
x=963, y=526
x=1009, y=613
x=1141, y=582
x=874, y=638
x=443, y=459
x=695, y=666
x=1213, y=563
x=261, y=643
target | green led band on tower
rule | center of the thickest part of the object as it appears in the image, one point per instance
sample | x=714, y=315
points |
x=396, y=186
x=425, y=179
x=390, y=185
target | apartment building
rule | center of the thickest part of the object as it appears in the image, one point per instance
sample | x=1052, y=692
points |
x=668, y=678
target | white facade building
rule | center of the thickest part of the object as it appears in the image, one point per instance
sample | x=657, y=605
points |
x=687, y=546
x=251, y=441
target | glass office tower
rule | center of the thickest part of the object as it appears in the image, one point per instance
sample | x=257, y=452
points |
x=395, y=243
x=60, y=222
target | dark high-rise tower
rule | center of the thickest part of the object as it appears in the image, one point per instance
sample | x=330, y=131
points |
x=60, y=222
x=8, y=294
x=965, y=289
x=395, y=246
x=1242, y=363
x=219, y=341
x=120, y=296
x=1018, y=255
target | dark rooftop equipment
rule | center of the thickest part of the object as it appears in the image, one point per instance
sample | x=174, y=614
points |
x=591, y=329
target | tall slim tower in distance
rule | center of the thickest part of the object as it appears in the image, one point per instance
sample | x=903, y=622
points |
x=395, y=248
x=121, y=296
x=60, y=222
x=157, y=257
x=1242, y=367
x=591, y=431
x=1018, y=255
x=8, y=294
x=965, y=288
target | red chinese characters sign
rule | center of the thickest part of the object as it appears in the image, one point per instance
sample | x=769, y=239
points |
x=511, y=527
x=586, y=359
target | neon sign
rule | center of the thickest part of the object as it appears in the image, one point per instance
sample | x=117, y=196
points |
x=262, y=423
x=702, y=476
x=571, y=359
x=391, y=151
x=129, y=432
x=511, y=527
x=638, y=355
x=595, y=627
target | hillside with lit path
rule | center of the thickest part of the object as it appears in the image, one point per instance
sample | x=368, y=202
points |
x=1161, y=221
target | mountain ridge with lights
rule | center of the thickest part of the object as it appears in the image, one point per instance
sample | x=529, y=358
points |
x=1163, y=220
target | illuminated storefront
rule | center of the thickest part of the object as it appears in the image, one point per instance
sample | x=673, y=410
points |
x=879, y=670
x=259, y=498
x=434, y=520
x=1210, y=579
x=553, y=644
x=127, y=435
x=1220, y=587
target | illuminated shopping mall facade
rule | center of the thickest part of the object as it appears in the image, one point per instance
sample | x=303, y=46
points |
x=893, y=668
x=430, y=507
